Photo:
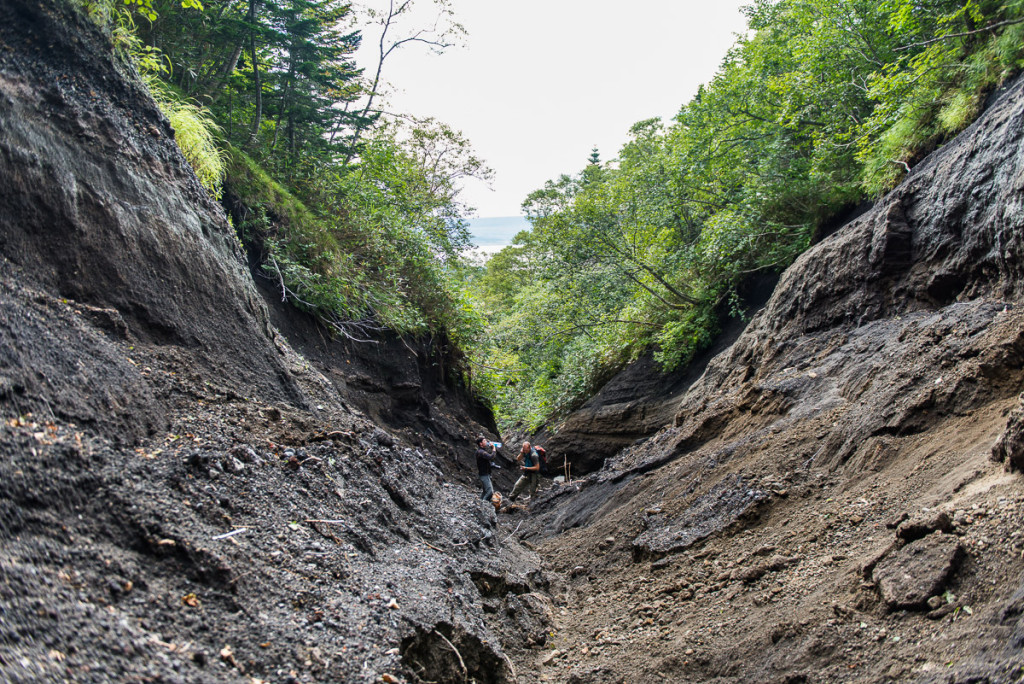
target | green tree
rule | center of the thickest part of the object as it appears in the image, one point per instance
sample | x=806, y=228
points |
x=821, y=104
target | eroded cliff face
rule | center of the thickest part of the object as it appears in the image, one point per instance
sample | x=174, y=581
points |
x=183, y=495
x=636, y=402
x=824, y=505
x=107, y=234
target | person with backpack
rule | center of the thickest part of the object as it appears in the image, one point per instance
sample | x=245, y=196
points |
x=529, y=464
x=485, y=453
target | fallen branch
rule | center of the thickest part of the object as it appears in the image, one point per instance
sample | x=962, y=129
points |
x=342, y=328
x=462, y=663
x=238, y=577
x=328, y=522
x=513, y=532
x=508, y=661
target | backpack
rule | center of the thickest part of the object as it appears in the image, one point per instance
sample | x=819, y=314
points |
x=542, y=456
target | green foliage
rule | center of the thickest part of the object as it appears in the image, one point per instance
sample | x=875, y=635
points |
x=365, y=235
x=948, y=56
x=257, y=190
x=301, y=251
x=370, y=244
x=680, y=339
x=195, y=132
x=821, y=104
x=278, y=76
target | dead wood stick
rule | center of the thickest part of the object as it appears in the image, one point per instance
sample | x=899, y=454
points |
x=508, y=661
x=240, y=530
x=238, y=577
x=462, y=663
x=514, y=531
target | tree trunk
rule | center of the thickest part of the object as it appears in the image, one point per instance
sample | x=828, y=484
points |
x=216, y=88
x=257, y=119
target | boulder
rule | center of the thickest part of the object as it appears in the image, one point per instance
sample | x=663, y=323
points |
x=918, y=571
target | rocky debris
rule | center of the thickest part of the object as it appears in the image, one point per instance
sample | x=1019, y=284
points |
x=728, y=502
x=920, y=570
x=1001, y=663
x=917, y=528
x=338, y=570
x=532, y=613
x=105, y=219
x=445, y=653
x=226, y=510
x=54, y=360
x=759, y=570
x=1009, y=448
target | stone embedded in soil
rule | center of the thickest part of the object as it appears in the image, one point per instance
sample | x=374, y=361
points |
x=918, y=528
x=918, y=571
x=723, y=505
x=1009, y=448
x=755, y=572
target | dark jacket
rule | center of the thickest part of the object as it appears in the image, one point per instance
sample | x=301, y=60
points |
x=483, y=460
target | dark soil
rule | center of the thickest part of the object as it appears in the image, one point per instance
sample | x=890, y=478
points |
x=184, y=497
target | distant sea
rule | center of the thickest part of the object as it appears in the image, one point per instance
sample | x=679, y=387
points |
x=491, y=234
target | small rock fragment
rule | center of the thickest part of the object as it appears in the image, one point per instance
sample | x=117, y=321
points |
x=918, y=528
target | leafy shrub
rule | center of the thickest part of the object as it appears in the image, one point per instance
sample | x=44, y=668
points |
x=195, y=131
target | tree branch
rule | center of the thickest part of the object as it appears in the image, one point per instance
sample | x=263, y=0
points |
x=990, y=27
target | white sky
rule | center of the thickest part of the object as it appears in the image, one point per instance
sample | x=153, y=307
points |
x=538, y=83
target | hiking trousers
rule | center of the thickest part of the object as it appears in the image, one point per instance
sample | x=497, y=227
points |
x=485, y=482
x=529, y=481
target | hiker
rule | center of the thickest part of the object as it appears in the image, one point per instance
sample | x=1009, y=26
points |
x=529, y=464
x=485, y=453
